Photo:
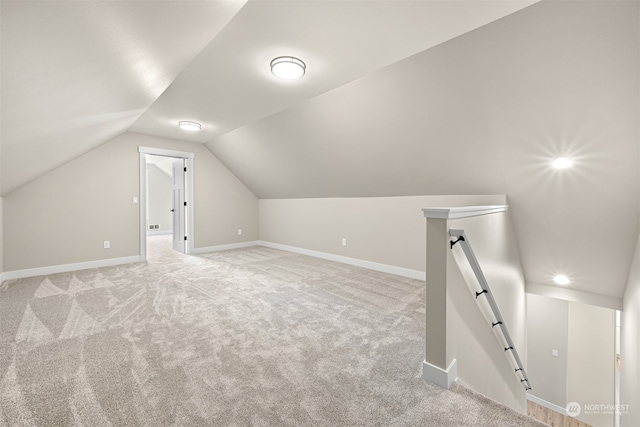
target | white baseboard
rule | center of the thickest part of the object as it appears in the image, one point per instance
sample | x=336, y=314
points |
x=441, y=377
x=398, y=271
x=547, y=405
x=218, y=248
x=44, y=271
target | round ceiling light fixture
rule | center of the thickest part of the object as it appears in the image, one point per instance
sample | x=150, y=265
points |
x=561, y=163
x=190, y=126
x=561, y=279
x=288, y=68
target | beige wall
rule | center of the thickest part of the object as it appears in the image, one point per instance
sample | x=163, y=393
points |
x=160, y=201
x=391, y=230
x=64, y=216
x=481, y=360
x=386, y=230
x=583, y=372
x=547, y=330
x=484, y=113
x=630, y=346
x=590, y=362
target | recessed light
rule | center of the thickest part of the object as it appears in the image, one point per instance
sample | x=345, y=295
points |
x=561, y=279
x=190, y=126
x=561, y=163
x=288, y=67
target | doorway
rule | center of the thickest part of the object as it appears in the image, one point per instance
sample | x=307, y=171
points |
x=166, y=198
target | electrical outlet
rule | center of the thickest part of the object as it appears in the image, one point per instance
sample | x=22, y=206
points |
x=344, y=242
x=106, y=244
x=135, y=200
x=239, y=231
x=554, y=352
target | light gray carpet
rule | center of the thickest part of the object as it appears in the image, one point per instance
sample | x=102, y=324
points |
x=244, y=337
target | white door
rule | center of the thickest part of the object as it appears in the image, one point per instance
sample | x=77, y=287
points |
x=179, y=235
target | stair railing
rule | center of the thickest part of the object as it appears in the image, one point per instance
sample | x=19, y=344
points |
x=493, y=315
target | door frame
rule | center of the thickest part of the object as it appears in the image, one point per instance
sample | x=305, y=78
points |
x=188, y=159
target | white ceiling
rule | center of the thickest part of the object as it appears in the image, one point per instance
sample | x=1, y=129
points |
x=485, y=113
x=399, y=99
x=229, y=84
x=78, y=73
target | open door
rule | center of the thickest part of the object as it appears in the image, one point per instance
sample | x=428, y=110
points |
x=179, y=234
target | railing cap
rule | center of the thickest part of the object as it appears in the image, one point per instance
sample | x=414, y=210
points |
x=462, y=211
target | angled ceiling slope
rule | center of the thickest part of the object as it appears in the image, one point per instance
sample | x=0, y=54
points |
x=76, y=74
x=485, y=113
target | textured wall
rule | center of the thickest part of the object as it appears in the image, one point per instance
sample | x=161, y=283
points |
x=64, y=216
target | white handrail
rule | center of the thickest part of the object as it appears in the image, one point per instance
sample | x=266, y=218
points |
x=497, y=320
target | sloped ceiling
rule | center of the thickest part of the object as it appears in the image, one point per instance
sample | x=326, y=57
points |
x=485, y=113
x=230, y=83
x=78, y=73
x=400, y=98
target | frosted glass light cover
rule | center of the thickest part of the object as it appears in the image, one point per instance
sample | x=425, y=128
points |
x=288, y=68
x=190, y=126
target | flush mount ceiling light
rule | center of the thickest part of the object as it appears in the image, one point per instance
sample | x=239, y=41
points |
x=561, y=163
x=288, y=67
x=190, y=126
x=561, y=279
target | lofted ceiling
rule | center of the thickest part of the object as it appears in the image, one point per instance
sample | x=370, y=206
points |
x=400, y=98
x=76, y=74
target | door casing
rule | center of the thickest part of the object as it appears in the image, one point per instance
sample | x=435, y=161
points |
x=189, y=195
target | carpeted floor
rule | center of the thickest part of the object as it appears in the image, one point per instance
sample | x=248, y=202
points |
x=244, y=337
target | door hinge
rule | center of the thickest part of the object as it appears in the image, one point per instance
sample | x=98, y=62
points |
x=185, y=203
x=185, y=237
x=185, y=169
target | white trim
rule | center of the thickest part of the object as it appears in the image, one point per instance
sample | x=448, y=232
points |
x=65, y=268
x=190, y=204
x=547, y=405
x=165, y=153
x=385, y=268
x=568, y=294
x=142, y=200
x=441, y=377
x=142, y=226
x=2, y=278
x=218, y=248
x=462, y=211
